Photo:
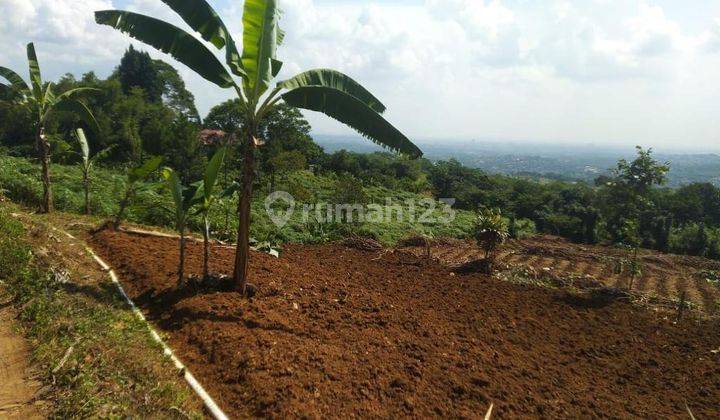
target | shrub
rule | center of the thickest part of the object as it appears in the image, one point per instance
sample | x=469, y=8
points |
x=490, y=232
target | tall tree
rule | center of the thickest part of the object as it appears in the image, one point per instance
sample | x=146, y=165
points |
x=42, y=102
x=323, y=90
x=138, y=70
x=175, y=94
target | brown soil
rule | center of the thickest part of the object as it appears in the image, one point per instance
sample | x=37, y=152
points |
x=664, y=275
x=340, y=332
x=19, y=388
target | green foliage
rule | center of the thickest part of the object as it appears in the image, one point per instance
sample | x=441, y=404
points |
x=137, y=70
x=170, y=39
x=54, y=316
x=490, y=231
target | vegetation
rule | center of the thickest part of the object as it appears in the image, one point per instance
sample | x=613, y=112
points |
x=184, y=199
x=327, y=91
x=134, y=178
x=206, y=199
x=41, y=103
x=79, y=317
x=490, y=232
x=87, y=163
x=144, y=113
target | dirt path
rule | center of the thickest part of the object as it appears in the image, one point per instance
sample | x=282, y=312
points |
x=18, y=388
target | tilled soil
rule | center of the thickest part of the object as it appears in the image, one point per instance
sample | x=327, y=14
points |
x=663, y=275
x=338, y=332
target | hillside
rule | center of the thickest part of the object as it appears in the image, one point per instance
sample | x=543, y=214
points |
x=19, y=181
x=338, y=331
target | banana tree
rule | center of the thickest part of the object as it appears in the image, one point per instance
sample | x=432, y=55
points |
x=206, y=198
x=134, y=177
x=184, y=200
x=322, y=90
x=42, y=103
x=88, y=162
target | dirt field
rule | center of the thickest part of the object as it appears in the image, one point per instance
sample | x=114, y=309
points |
x=337, y=332
x=664, y=275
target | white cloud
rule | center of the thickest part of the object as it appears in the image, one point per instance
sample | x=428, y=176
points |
x=557, y=69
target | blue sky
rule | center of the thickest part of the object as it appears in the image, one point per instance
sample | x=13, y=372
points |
x=604, y=71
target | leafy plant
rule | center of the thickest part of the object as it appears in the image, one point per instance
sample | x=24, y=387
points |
x=134, y=178
x=87, y=163
x=42, y=102
x=207, y=199
x=632, y=244
x=184, y=199
x=490, y=232
x=322, y=90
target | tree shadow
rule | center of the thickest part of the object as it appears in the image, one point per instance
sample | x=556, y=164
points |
x=106, y=293
x=596, y=298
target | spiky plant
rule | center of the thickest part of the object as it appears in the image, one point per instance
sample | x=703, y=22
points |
x=490, y=232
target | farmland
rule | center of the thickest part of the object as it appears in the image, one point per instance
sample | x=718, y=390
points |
x=386, y=333
x=162, y=257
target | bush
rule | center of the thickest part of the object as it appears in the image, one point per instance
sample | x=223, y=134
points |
x=490, y=231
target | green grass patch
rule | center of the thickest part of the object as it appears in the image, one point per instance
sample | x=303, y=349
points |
x=115, y=369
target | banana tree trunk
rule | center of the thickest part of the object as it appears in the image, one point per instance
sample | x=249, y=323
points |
x=242, y=254
x=44, y=148
x=86, y=186
x=181, y=264
x=206, y=247
x=121, y=210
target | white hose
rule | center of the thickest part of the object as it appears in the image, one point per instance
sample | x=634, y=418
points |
x=211, y=405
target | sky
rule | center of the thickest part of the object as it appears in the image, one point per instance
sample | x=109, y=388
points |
x=614, y=72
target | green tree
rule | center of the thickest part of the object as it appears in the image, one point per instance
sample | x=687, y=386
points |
x=137, y=70
x=42, y=102
x=175, y=94
x=627, y=195
x=327, y=91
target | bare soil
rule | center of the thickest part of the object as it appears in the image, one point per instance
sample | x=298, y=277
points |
x=665, y=276
x=19, y=388
x=341, y=332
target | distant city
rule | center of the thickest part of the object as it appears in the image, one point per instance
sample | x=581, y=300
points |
x=580, y=163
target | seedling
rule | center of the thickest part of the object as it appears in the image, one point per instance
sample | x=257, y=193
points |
x=88, y=162
x=184, y=200
x=207, y=197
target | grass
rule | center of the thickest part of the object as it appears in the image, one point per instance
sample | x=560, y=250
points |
x=20, y=181
x=114, y=369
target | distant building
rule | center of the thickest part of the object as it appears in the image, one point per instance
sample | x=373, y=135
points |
x=209, y=137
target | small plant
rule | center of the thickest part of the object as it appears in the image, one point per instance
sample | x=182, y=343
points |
x=631, y=241
x=134, y=177
x=490, y=232
x=206, y=198
x=87, y=163
x=184, y=199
